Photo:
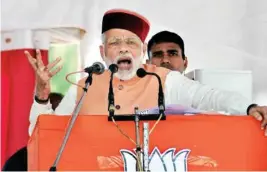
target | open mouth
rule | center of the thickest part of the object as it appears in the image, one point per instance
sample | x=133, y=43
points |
x=124, y=63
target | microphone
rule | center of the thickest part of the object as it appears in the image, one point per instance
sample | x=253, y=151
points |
x=97, y=68
x=111, y=103
x=113, y=68
x=142, y=73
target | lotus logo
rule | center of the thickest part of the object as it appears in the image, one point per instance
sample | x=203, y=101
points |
x=167, y=161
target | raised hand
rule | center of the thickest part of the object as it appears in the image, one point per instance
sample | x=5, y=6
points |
x=43, y=74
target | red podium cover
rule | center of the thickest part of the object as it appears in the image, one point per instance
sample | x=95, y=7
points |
x=180, y=143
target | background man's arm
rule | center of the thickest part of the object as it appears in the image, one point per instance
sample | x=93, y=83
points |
x=179, y=89
x=65, y=107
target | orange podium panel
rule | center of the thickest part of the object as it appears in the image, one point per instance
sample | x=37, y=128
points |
x=180, y=143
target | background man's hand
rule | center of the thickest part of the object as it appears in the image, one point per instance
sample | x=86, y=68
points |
x=260, y=113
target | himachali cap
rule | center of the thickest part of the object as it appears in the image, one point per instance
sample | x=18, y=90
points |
x=128, y=20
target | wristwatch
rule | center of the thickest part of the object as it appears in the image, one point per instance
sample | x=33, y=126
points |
x=40, y=101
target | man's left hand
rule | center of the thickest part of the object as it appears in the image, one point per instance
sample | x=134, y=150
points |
x=260, y=113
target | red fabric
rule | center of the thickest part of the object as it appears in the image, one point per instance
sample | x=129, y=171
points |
x=214, y=143
x=17, y=90
x=128, y=20
x=4, y=106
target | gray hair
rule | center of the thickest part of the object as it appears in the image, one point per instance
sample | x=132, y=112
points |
x=103, y=38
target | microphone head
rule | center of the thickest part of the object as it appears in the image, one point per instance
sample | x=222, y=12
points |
x=141, y=73
x=99, y=68
x=113, y=68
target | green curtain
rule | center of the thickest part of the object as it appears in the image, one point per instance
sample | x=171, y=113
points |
x=70, y=55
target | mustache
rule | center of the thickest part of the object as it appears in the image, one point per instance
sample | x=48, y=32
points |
x=166, y=65
x=124, y=55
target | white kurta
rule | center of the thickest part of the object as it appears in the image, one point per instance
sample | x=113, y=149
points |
x=178, y=90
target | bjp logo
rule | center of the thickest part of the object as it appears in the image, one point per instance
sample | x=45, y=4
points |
x=166, y=161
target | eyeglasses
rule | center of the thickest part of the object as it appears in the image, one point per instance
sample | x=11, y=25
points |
x=131, y=42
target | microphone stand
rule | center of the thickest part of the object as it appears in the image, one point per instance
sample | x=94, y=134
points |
x=138, y=147
x=146, y=146
x=111, y=103
x=161, y=102
x=74, y=116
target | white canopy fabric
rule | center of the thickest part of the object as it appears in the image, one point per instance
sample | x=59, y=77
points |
x=63, y=19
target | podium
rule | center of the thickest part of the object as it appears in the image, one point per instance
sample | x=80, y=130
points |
x=180, y=143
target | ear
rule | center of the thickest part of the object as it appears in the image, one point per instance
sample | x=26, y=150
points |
x=148, y=61
x=144, y=48
x=185, y=63
x=102, y=51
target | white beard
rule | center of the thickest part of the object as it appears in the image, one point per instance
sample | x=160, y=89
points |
x=126, y=74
